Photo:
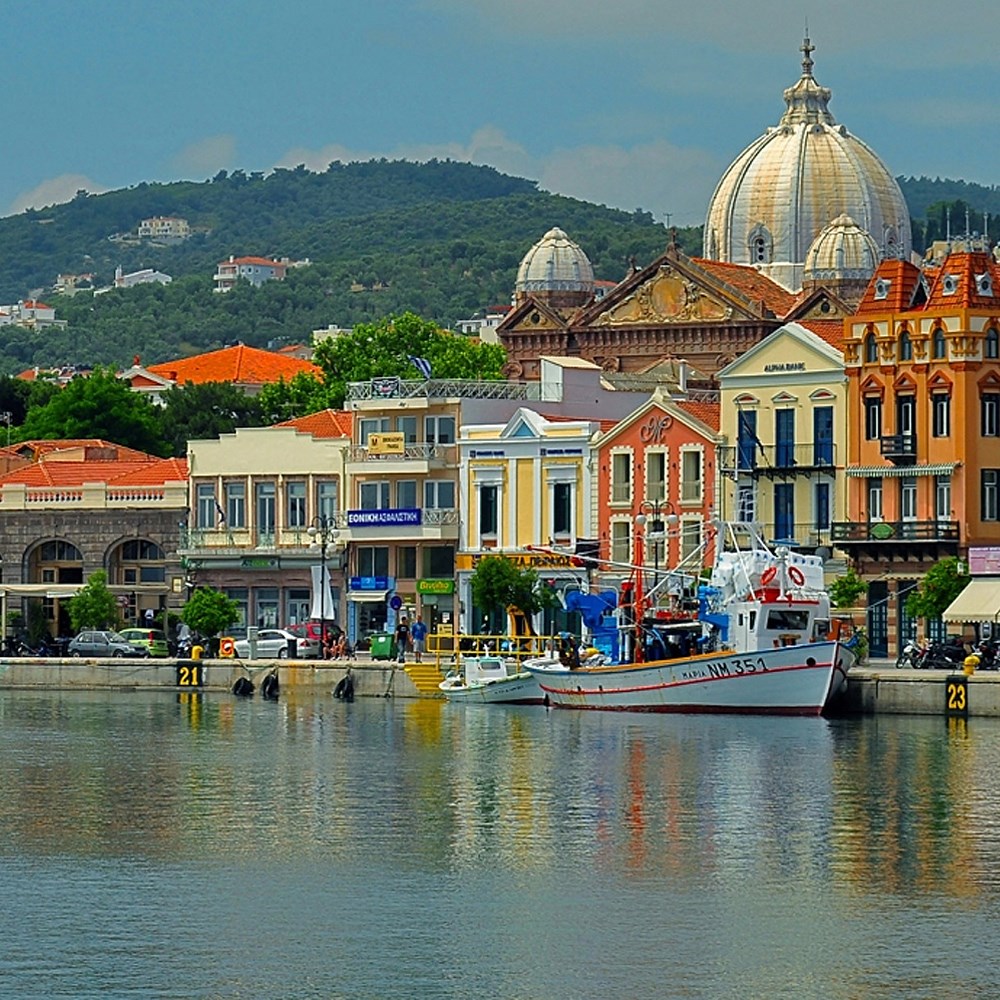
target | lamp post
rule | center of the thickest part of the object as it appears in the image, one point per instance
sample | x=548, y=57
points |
x=322, y=533
x=652, y=512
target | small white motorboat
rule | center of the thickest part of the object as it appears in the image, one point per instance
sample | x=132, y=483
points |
x=492, y=680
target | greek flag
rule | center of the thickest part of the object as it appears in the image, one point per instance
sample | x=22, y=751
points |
x=221, y=510
x=422, y=365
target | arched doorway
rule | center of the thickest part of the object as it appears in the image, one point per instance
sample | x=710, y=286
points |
x=53, y=561
x=137, y=572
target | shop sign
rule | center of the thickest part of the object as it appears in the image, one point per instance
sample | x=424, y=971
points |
x=369, y=583
x=435, y=586
x=984, y=560
x=387, y=443
x=397, y=517
x=523, y=560
x=259, y=562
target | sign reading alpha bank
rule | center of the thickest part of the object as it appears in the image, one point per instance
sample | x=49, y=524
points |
x=393, y=517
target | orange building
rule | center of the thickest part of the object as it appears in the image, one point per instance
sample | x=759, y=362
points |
x=922, y=356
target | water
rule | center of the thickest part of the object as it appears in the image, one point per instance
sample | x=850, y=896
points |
x=153, y=847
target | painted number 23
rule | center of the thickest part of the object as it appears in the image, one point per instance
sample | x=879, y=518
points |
x=956, y=697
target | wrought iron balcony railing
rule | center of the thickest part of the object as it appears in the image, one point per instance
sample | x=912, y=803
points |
x=849, y=532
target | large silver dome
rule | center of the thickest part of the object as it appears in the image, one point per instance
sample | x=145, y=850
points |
x=555, y=264
x=789, y=184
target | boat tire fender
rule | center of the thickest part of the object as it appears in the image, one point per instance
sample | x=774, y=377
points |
x=344, y=691
x=243, y=687
x=269, y=686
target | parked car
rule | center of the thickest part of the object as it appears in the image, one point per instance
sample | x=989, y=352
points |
x=314, y=630
x=272, y=643
x=154, y=640
x=104, y=643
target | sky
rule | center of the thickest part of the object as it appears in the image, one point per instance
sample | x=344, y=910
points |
x=630, y=104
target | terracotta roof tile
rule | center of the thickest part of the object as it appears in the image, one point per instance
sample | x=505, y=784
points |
x=829, y=330
x=751, y=283
x=902, y=277
x=78, y=473
x=325, y=424
x=240, y=364
x=707, y=413
x=166, y=470
x=49, y=449
x=955, y=285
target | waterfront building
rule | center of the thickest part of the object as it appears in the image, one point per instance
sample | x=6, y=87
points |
x=254, y=495
x=69, y=508
x=784, y=422
x=922, y=359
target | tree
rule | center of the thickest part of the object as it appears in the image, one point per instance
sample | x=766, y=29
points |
x=205, y=411
x=499, y=584
x=99, y=405
x=303, y=394
x=846, y=589
x=94, y=606
x=210, y=611
x=941, y=584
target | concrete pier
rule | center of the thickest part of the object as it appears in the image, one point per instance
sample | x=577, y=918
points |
x=880, y=688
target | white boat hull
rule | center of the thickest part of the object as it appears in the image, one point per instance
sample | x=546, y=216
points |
x=517, y=689
x=788, y=680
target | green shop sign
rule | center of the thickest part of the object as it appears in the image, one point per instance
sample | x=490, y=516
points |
x=435, y=586
x=259, y=562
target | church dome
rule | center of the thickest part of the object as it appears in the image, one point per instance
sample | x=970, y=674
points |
x=555, y=264
x=789, y=184
x=843, y=250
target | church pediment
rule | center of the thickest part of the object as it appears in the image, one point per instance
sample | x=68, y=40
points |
x=530, y=317
x=666, y=296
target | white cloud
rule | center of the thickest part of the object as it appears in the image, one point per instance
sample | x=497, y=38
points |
x=54, y=191
x=656, y=176
x=207, y=156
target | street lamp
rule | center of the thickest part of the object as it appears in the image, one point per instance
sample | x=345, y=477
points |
x=653, y=511
x=322, y=533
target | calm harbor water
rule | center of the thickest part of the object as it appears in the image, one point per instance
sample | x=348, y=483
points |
x=153, y=846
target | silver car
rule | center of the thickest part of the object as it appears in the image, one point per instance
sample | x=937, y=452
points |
x=272, y=644
x=100, y=642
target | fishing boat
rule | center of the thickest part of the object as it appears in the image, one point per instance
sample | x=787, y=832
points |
x=491, y=680
x=758, y=639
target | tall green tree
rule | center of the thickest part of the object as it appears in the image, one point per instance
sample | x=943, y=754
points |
x=99, y=405
x=94, y=606
x=304, y=393
x=207, y=410
x=941, y=584
x=498, y=584
x=210, y=611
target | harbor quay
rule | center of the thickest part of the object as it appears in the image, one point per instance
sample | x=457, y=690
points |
x=878, y=688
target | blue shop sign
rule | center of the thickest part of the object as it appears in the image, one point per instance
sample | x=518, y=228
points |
x=395, y=517
x=369, y=583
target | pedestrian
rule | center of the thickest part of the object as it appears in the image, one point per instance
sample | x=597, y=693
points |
x=402, y=639
x=419, y=635
x=149, y=617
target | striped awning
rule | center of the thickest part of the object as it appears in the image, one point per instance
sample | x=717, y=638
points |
x=979, y=602
x=874, y=471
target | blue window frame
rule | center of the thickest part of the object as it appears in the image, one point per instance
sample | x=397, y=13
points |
x=784, y=511
x=784, y=436
x=823, y=435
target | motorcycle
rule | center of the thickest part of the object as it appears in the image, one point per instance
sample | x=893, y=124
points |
x=911, y=656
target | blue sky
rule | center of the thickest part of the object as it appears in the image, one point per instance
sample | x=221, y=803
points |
x=633, y=104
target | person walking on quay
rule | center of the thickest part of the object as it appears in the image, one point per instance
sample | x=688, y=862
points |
x=402, y=639
x=419, y=635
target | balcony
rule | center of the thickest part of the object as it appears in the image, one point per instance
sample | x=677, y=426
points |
x=897, y=539
x=777, y=460
x=237, y=545
x=900, y=449
x=415, y=458
x=442, y=388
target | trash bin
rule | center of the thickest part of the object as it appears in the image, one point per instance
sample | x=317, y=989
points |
x=293, y=648
x=381, y=646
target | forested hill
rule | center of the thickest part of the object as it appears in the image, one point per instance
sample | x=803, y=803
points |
x=441, y=239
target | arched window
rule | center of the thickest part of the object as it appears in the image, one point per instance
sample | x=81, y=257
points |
x=871, y=348
x=760, y=250
x=137, y=561
x=992, y=347
x=939, y=350
x=905, y=346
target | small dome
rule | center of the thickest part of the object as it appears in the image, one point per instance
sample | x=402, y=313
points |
x=843, y=250
x=555, y=264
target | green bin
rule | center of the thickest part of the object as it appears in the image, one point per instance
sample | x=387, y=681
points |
x=382, y=646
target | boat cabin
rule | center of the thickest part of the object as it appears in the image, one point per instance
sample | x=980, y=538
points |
x=777, y=621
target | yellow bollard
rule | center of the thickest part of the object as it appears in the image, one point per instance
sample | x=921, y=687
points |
x=969, y=664
x=196, y=652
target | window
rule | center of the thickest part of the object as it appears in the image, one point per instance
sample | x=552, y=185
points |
x=882, y=286
x=871, y=348
x=620, y=539
x=875, y=499
x=784, y=436
x=938, y=348
x=407, y=426
x=821, y=507
x=406, y=494
x=784, y=510
x=295, y=496
x=746, y=504
x=439, y=561
x=941, y=415
x=823, y=435
x=992, y=346
x=562, y=508
x=371, y=425
x=373, y=560
x=746, y=442
x=374, y=495
x=873, y=418
x=439, y=493
x=621, y=477
x=236, y=504
x=656, y=475
x=265, y=495
x=759, y=250
x=942, y=498
x=406, y=562
x=989, y=490
x=327, y=495
x=489, y=510
x=905, y=346
x=205, y=498
x=908, y=498
x=691, y=478
x=138, y=561
x=989, y=414
x=690, y=537
x=439, y=430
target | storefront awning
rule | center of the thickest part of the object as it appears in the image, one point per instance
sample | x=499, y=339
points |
x=876, y=471
x=367, y=595
x=979, y=602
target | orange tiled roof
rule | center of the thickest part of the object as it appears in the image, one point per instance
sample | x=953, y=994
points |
x=830, y=330
x=750, y=282
x=707, y=413
x=902, y=277
x=113, y=473
x=961, y=270
x=240, y=364
x=264, y=261
x=48, y=449
x=166, y=470
x=325, y=424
